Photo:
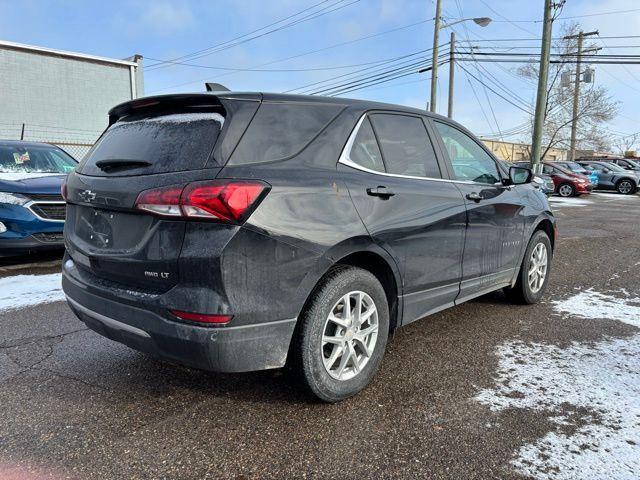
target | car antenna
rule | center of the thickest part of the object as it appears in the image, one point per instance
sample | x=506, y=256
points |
x=215, y=87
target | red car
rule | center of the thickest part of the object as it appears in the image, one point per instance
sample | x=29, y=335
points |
x=567, y=183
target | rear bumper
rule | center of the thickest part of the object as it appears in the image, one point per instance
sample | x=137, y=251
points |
x=222, y=349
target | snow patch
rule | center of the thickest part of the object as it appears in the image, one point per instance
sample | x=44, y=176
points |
x=22, y=291
x=617, y=196
x=569, y=201
x=592, y=304
x=17, y=176
x=590, y=392
x=179, y=118
x=602, y=379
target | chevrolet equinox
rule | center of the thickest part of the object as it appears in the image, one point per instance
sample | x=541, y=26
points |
x=245, y=231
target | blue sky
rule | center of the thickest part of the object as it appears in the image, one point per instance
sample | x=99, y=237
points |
x=165, y=29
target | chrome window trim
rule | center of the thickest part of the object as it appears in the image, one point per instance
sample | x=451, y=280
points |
x=56, y=202
x=346, y=160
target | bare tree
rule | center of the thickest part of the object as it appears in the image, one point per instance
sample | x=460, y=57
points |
x=595, y=105
x=626, y=143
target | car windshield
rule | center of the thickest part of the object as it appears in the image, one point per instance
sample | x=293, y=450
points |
x=634, y=163
x=613, y=166
x=34, y=159
x=562, y=169
x=575, y=167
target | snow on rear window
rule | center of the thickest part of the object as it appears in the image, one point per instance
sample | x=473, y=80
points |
x=171, y=143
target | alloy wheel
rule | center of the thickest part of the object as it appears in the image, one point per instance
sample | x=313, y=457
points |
x=537, y=267
x=349, y=335
x=565, y=190
x=625, y=187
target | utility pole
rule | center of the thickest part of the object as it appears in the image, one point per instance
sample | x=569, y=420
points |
x=576, y=92
x=541, y=98
x=576, y=98
x=452, y=49
x=434, y=61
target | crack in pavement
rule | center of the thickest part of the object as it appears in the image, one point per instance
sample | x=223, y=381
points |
x=32, y=340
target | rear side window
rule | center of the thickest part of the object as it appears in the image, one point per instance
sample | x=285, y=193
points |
x=280, y=130
x=406, y=148
x=365, y=151
x=169, y=143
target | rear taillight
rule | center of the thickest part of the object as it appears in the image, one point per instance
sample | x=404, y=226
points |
x=221, y=200
x=202, y=317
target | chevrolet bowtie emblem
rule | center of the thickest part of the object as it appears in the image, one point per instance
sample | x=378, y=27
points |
x=87, y=195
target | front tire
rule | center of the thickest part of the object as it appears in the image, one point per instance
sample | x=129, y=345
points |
x=625, y=187
x=566, y=190
x=533, y=277
x=342, y=334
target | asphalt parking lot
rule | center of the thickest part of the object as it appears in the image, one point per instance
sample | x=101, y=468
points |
x=483, y=390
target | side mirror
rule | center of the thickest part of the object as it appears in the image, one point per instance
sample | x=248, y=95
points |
x=520, y=175
x=605, y=170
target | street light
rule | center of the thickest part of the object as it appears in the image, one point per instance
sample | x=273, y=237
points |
x=481, y=21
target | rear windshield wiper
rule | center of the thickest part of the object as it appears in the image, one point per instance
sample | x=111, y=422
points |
x=113, y=164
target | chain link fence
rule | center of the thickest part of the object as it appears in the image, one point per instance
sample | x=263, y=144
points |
x=76, y=142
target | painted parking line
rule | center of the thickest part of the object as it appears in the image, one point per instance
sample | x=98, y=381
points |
x=21, y=291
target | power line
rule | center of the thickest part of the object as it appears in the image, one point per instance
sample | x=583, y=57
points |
x=327, y=81
x=336, y=45
x=238, y=41
x=279, y=70
x=391, y=74
x=498, y=94
x=241, y=36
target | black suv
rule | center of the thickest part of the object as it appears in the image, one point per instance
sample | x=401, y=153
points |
x=239, y=231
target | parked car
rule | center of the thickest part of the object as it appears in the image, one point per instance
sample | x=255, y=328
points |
x=575, y=167
x=545, y=183
x=567, y=183
x=539, y=180
x=239, y=231
x=613, y=177
x=627, y=164
x=32, y=210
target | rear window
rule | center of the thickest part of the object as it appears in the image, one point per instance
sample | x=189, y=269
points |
x=169, y=143
x=280, y=130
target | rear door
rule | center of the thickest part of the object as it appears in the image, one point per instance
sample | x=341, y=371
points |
x=140, y=151
x=495, y=221
x=397, y=186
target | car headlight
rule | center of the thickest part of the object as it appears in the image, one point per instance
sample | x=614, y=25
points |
x=13, y=198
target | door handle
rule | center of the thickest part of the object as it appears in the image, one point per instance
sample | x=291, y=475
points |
x=475, y=196
x=380, y=191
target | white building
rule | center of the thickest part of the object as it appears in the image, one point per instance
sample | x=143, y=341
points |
x=62, y=97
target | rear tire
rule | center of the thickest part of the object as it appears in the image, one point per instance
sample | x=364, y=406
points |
x=533, y=277
x=626, y=187
x=331, y=345
x=566, y=190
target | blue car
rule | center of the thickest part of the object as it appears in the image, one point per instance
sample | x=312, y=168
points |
x=575, y=167
x=32, y=210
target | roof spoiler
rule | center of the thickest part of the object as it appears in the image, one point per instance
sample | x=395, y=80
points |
x=163, y=102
